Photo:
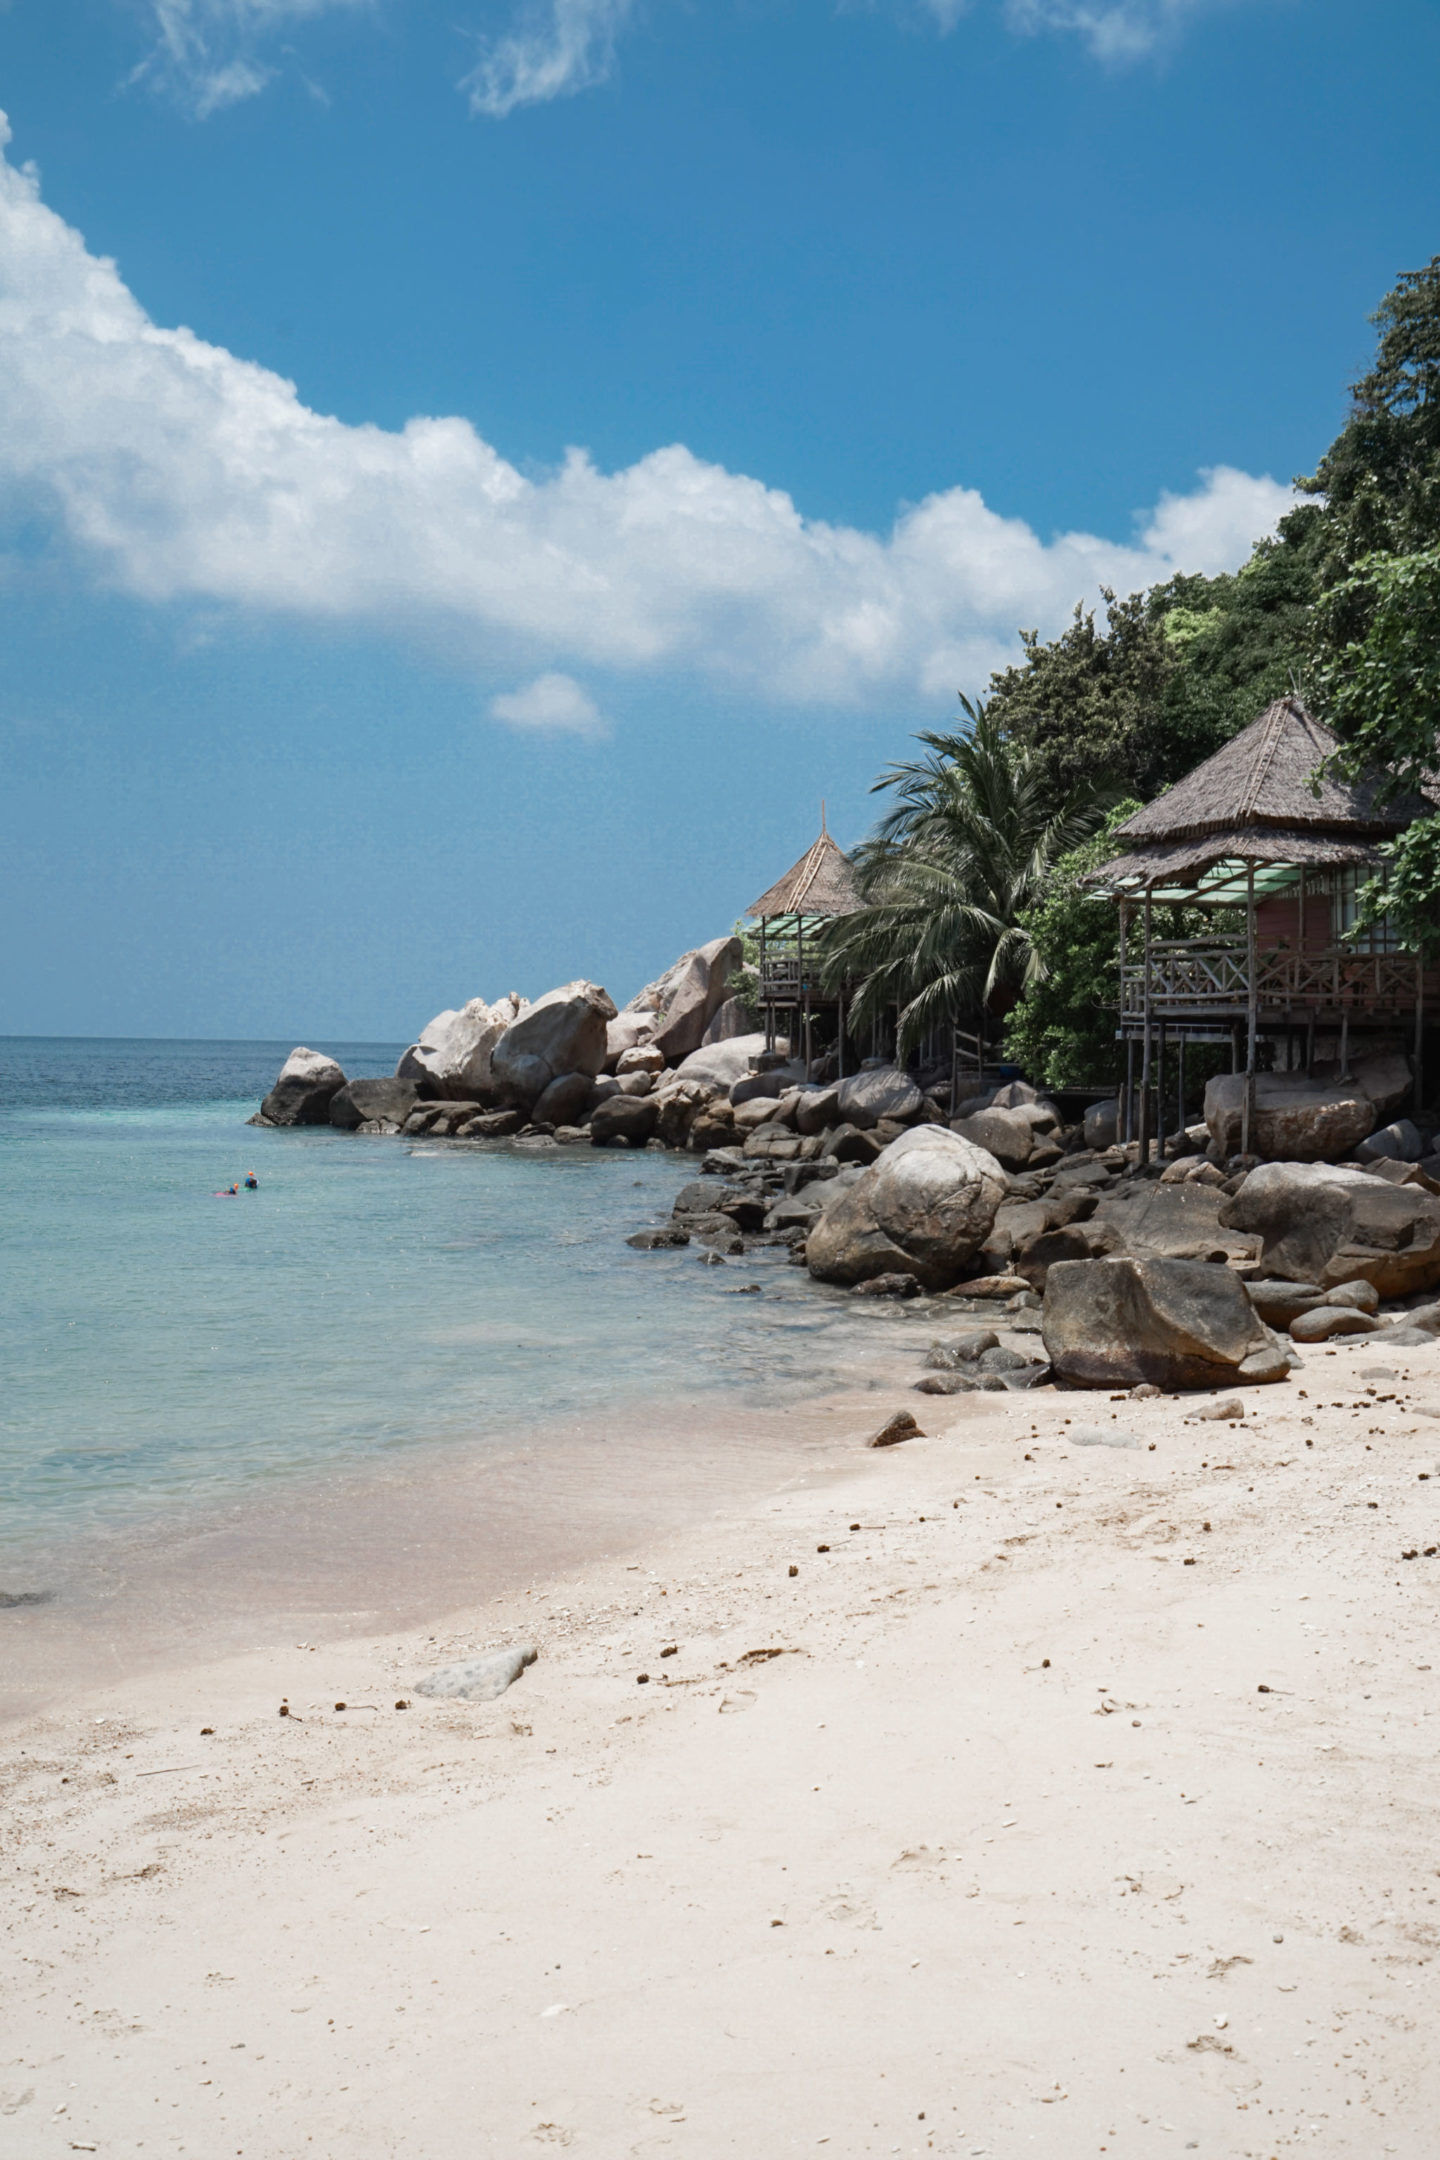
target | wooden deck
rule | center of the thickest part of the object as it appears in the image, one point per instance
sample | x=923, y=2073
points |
x=1195, y=978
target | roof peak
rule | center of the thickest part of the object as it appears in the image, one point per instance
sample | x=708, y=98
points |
x=822, y=882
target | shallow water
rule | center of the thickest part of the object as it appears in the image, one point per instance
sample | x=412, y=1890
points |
x=162, y=1348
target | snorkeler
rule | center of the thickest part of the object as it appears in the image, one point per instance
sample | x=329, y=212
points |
x=252, y=1183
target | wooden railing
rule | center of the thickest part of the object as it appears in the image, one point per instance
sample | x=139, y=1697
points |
x=1188, y=974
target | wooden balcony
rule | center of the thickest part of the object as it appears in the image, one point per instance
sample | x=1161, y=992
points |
x=1193, y=977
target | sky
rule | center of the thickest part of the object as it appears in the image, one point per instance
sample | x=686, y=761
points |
x=475, y=474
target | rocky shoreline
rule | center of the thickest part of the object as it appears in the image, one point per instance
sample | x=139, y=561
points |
x=1201, y=1270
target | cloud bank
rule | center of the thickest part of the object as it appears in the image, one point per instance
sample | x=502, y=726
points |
x=551, y=705
x=176, y=472
x=556, y=48
x=209, y=54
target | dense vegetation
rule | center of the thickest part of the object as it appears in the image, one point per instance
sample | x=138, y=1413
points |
x=1341, y=605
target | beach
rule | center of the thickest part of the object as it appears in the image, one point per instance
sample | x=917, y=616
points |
x=989, y=1794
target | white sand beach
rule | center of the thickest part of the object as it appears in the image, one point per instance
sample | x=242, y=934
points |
x=991, y=1794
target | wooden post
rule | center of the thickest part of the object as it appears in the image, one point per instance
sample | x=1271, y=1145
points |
x=767, y=1010
x=1145, y=1046
x=802, y=1003
x=1160, y=1092
x=1180, y=1085
x=1252, y=999
x=1127, y=1107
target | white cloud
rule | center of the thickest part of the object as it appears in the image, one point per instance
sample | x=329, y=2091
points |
x=180, y=473
x=556, y=48
x=1113, y=29
x=551, y=705
x=211, y=53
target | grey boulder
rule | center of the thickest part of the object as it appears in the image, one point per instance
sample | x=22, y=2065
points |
x=1296, y=1119
x=562, y=1032
x=882, y=1092
x=452, y=1057
x=482, y=1678
x=924, y=1208
x=567, y=1100
x=1004, y=1134
x=305, y=1087
x=362, y=1102
x=1102, y=1125
x=623, y=1120
x=1329, y=1223
x=1177, y=1324
x=1399, y=1142
x=695, y=991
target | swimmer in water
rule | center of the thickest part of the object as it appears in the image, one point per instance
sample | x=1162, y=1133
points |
x=252, y=1183
x=228, y=1192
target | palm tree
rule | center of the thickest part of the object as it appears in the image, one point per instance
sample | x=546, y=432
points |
x=947, y=877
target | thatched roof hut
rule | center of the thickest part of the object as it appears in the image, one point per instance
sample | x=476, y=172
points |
x=821, y=883
x=1263, y=798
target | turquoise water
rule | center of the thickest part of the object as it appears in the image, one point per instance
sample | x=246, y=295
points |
x=159, y=1345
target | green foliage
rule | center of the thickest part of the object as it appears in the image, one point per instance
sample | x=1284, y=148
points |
x=947, y=877
x=1380, y=478
x=1382, y=688
x=1063, y=1028
x=1405, y=892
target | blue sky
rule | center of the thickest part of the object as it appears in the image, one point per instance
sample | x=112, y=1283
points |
x=474, y=474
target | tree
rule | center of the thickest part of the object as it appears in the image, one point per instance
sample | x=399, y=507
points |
x=1063, y=1028
x=948, y=875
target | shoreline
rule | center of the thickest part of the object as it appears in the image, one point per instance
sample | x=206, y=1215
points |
x=994, y=1828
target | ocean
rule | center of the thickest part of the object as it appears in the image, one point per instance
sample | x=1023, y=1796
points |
x=162, y=1349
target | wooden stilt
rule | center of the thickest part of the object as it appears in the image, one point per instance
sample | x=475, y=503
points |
x=1160, y=1092
x=1146, y=1045
x=1252, y=996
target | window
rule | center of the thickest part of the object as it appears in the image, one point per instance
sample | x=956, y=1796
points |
x=1380, y=937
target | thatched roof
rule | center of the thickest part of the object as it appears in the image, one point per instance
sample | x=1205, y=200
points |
x=1183, y=861
x=821, y=883
x=1263, y=779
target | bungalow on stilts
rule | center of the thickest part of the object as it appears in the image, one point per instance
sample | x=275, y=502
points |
x=1274, y=849
x=791, y=915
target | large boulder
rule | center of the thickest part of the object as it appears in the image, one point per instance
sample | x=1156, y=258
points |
x=562, y=1032
x=1172, y=1222
x=307, y=1084
x=695, y=992
x=1398, y=1142
x=733, y=1018
x=1102, y=1124
x=626, y=1032
x=723, y=1062
x=923, y=1209
x=1296, y=1119
x=623, y=1120
x=362, y=1102
x=882, y=1092
x=452, y=1057
x=1328, y=1223
x=567, y=1100
x=1004, y=1134
x=1122, y=1322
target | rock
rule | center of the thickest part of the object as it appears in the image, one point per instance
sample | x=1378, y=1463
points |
x=753, y=1111
x=1229, y=1407
x=924, y=1209
x=722, y=1063
x=443, y=1120
x=1399, y=1142
x=945, y=1357
x=1278, y=1303
x=494, y=1125
x=947, y=1383
x=716, y=1231
x=480, y=1679
x=305, y=1087
x=898, y=1286
x=562, y=1032
x=712, y=1128
x=1296, y=1119
x=797, y=1211
x=452, y=1057
x=767, y=1086
x=1328, y=1223
x=1386, y=1079
x=681, y=1107
x=884, y=1092
x=1421, y=1319
x=643, y=1057
x=733, y=1018
x=661, y=1240
x=847, y=1144
x=360, y=1102
x=628, y=1031
x=1172, y=1222
x=772, y=1143
x=694, y=992
x=373, y=1128
x=990, y=1286
x=567, y=1101
x=1015, y=1095
x=1096, y=1436
x=1003, y=1134
x=623, y=1119
x=1323, y=1321
x=1074, y=1241
x=1102, y=1125
x=817, y=1110
x=901, y=1426
x=634, y=1083
x=1362, y=1295
x=1178, y=1323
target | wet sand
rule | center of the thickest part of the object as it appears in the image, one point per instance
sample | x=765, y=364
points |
x=1077, y=1799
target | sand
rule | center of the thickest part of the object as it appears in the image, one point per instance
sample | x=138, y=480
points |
x=1077, y=1799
